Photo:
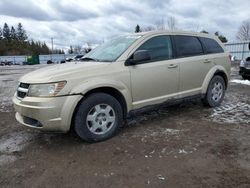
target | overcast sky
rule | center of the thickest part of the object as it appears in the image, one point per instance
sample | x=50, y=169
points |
x=75, y=22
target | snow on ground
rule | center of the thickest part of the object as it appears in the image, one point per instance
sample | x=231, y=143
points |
x=10, y=144
x=246, y=82
x=14, y=142
x=238, y=112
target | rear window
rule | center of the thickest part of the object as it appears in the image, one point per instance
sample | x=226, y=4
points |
x=188, y=46
x=211, y=46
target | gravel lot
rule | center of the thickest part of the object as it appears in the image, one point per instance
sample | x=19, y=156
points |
x=185, y=145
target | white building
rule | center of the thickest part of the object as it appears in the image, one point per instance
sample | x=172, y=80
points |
x=240, y=50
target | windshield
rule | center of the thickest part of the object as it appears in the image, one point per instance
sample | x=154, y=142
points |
x=111, y=50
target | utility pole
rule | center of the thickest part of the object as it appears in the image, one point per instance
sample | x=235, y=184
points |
x=52, y=44
x=52, y=47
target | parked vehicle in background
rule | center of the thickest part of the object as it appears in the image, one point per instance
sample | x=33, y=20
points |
x=245, y=68
x=50, y=62
x=76, y=58
x=3, y=63
x=121, y=77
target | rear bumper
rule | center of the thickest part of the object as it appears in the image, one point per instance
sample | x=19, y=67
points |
x=244, y=71
x=46, y=114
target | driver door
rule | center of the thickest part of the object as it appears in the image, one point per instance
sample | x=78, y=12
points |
x=157, y=79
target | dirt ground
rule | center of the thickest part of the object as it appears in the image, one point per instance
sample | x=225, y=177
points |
x=185, y=145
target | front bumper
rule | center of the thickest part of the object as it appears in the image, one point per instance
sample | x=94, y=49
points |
x=46, y=113
x=244, y=71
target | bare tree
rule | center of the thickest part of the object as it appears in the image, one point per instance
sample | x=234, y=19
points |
x=70, y=51
x=171, y=23
x=160, y=25
x=77, y=49
x=244, y=31
x=149, y=28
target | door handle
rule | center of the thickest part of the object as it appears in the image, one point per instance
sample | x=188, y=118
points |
x=207, y=61
x=171, y=66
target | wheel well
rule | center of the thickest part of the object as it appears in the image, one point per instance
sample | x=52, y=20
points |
x=223, y=75
x=111, y=91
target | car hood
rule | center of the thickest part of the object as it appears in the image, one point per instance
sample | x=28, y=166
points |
x=60, y=72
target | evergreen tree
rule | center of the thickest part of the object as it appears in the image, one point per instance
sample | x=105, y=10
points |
x=13, y=33
x=6, y=31
x=14, y=42
x=216, y=33
x=1, y=33
x=71, y=51
x=204, y=31
x=21, y=33
x=45, y=49
x=137, y=29
x=221, y=37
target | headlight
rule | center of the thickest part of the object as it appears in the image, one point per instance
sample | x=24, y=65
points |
x=45, y=90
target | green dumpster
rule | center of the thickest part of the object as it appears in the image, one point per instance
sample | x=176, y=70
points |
x=33, y=60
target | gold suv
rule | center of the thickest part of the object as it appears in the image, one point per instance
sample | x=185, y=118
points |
x=94, y=95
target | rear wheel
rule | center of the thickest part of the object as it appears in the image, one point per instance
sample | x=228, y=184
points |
x=215, y=92
x=98, y=117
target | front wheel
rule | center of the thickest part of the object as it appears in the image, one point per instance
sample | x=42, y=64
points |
x=98, y=117
x=215, y=92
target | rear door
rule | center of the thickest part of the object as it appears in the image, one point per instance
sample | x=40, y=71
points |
x=194, y=66
x=215, y=52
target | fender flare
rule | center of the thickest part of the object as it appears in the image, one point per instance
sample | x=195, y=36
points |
x=92, y=84
x=210, y=75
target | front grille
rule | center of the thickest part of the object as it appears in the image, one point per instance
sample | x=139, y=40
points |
x=22, y=90
x=24, y=85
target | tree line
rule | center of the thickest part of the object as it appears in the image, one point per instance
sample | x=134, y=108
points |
x=14, y=41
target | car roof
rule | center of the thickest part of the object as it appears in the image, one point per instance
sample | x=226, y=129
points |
x=176, y=32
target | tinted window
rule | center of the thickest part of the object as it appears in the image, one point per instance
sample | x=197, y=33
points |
x=211, y=45
x=188, y=46
x=159, y=47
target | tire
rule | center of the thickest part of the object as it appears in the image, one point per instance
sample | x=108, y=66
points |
x=245, y=77
x=215, y=92
x=49, y=62
x=98, y=118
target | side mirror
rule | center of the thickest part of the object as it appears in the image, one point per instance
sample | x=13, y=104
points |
x=139, y=57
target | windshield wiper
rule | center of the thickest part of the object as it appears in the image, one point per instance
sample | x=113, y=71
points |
x=88, y=59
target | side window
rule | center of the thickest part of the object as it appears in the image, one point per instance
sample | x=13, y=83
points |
x=187, y=46
x=211, y=45
x=159, y=48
